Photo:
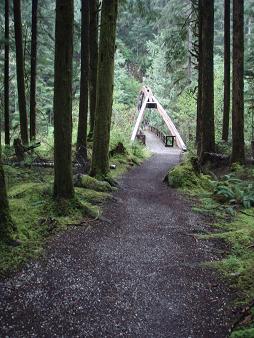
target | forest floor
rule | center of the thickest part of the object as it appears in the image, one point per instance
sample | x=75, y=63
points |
x=137, y=272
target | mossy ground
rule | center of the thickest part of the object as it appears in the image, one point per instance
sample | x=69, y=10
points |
x=236, y=230
x=37, y=215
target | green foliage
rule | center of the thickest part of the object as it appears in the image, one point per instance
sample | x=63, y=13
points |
x=243, y=333
x=234, y=191
x=37, y=215
x=126, y=86
x=183, y=176
x=135, y=151
x=238, y=265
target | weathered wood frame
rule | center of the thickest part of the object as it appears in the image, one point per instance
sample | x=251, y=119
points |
x=149, y=97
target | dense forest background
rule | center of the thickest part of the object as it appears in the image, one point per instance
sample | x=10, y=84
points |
x=62, y=143
x=155, y=45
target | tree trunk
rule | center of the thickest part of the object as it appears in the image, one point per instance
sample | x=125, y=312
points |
x=189, y=55
x=238, y=154
x=6, y=75
x=20, y=71
x=100, y=160
x=33, y=71
x=207, y=105
x=84, y=76
x=6, y=225
x=199, y=96
x=94, y=9
x=63, y=185
x=227, y=60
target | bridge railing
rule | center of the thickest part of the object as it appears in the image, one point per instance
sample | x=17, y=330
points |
x=168, y=140
x=141, y=137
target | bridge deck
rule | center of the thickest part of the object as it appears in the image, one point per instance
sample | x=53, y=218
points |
x=156, y=146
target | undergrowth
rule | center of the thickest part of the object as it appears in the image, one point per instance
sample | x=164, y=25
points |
x=230, y=200
x=38, y=216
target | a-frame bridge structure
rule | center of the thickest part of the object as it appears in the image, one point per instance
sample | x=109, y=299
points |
x=148, y=100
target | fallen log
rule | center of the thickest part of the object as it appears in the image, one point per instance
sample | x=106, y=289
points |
x=216, y=160
x=20, y=149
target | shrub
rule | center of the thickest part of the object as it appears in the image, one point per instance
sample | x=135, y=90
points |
x=183, y=176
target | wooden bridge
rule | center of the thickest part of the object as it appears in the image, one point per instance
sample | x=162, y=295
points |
x=148, y=100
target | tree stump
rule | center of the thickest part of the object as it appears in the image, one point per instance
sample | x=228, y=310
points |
x=19, y=149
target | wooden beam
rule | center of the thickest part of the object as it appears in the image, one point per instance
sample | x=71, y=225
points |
x=139, y=119
x=170, y=125
x=148, y=96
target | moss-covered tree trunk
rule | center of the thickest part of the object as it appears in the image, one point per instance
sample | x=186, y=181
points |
x=238, y=153
x=93, y=45
x=20, y=71
x=6, y=225
x=33, y=71
x=6, y=75
x=100, y=160
x=207, y=105
x=84, y=78
x=226, y=108
x=63, y=185
x=199, y=95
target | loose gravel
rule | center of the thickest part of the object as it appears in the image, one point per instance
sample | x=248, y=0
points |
x=138, y=273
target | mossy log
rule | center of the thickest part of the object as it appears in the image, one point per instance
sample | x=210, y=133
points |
x=88, y=182
x=216, y=160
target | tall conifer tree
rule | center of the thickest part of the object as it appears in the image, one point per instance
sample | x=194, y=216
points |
x=227, y=60
x=7, y=75
x=207, y=103
x=100, y=160
x=63, y=185
x=33, y=71
x=238, y=153
x=20, y=71
x=84, y=82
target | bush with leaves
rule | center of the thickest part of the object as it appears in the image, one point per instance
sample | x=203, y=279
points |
x=234, y=191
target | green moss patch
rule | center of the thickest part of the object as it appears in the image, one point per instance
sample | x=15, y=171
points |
x=37, y=215
x=229, y=199
x=88, y=182
x=184, y=177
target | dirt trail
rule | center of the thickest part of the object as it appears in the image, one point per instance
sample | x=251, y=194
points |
x=136, y=275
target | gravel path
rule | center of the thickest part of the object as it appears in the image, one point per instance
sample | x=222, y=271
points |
x=157, y=147
x=137, y=274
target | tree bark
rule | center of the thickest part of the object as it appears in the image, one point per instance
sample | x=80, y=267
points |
x=93, y=38
x=100, y=160
x=6, y=224
x=199, y=96
x=207, y=105
x=227, y=60
x=63, y=185
x=20, y=71
x=84, y=77
x=238, y=153
x=33, y=71
x=7, y=75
